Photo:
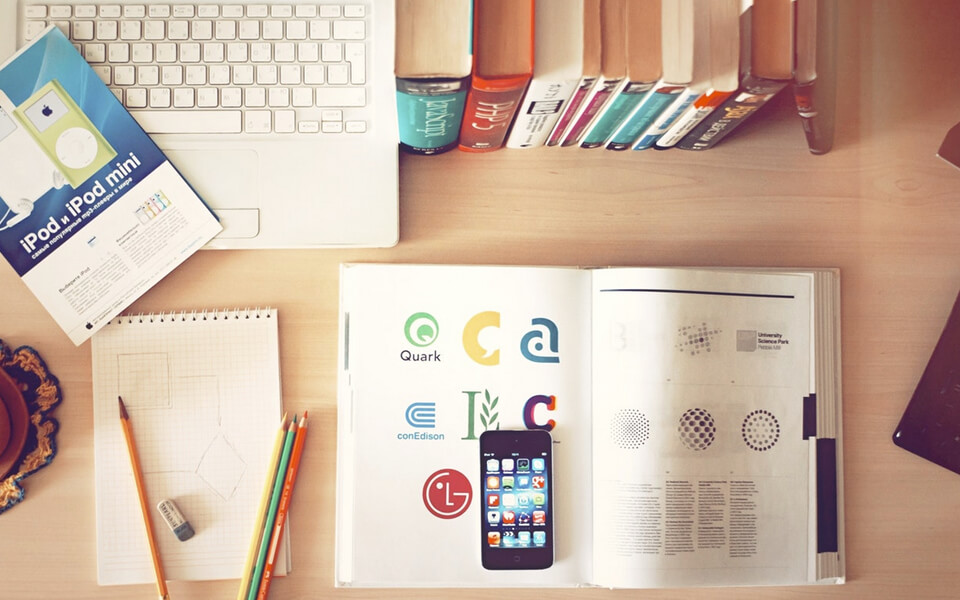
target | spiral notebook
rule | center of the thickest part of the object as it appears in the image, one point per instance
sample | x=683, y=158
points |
x=203, y=393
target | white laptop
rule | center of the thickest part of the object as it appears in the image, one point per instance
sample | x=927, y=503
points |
x=281, y=114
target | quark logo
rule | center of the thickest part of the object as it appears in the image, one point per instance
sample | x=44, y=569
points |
x=422, y=414
x=484, y=353
x=550, y=402
x=541, y=344
x=421, y=329
x=447, y=494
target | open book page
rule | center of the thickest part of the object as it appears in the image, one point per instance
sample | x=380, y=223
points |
x=701, y=472
x=433, y=356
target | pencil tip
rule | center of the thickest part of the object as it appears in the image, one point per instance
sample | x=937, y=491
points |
x=123, y=409
x=305, y=413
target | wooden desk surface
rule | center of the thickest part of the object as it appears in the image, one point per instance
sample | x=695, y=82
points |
x=880, y=206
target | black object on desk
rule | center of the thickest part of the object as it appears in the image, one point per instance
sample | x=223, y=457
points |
x=930, y=426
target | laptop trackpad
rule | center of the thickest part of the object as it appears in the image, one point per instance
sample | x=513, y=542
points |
x=227, y=180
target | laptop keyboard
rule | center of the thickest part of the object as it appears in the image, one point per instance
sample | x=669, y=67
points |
x=225, y=69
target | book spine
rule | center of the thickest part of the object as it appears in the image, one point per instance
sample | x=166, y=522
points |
x=539, y=112
x=701, y=108
x=429, y=112
x=667, y=118
x=617, y=111
x=491, y=106
x=754, y=93
x=602, y=93
x=573, y=107
x=657, y=101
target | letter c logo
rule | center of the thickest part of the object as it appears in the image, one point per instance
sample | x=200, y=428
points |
x=529, y=422
x=471, y=338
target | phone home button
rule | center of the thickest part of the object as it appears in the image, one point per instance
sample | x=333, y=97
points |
x=516, y=558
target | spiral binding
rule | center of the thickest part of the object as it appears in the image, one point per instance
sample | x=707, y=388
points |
x=183, y=316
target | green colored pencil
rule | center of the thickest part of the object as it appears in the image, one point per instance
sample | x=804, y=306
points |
x=272, y=512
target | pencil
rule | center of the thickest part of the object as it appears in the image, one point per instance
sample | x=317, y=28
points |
x=272, y=510
x=144, y=508
x=262, y=509
x=285, y=498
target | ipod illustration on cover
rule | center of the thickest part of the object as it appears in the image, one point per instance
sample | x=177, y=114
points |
x=65, y=133
x=28, y=174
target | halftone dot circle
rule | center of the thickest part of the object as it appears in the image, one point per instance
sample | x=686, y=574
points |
x=760, y=430
x=630, y=429
x=697, y=429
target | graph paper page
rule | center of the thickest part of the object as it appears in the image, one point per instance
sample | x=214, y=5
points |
x=203, y=394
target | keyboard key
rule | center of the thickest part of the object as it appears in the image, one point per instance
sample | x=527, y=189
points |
x=154, y=30
x=124, y=75
x=231, y=97
x=171, y=75
x=281, y=11
x=347, y=97
x=355, y=126
x=257, y=10
x=308, y=52
x=107, y=30
x=285, y=121
x=195, y=75
x=328, y=11
x=249, y=30
x=212, y=53
x=35, y=11
x=226, y=30
x=355, y=54
x=302, y=97
x=308, y=126
x=257, y=121
x=134, y=11
x=95, y=53
x=158, y=11
x=148, y=75
x=61, y=11
x=207, y=97
x=166, y=53
x=306, y=10
x=331, y=115
x=284, y=52
x=232, y=11
x=136, y=98
x=190, y=52
x=319, y=30
x=183, y=97
x=189, y=121
x=331, y=127
x=272, y=30
x=32, y=29
x=290, y=74
x=142, y=52
x=178, y=30
x=160, y=98
x=278, y=97
x=296, y=30
x=208, y=11
x=267, y=74
x=63, y=26
x=260, y=52
x=118, y=53
x=243, y=74
x=255, y=97
x=103, y=72
x=201, y=30
x=337, y=75
x=349, y=30
x=354, y=11
x=130, y=30
x=85, y=11
x=110, y=11
x=237, y=52
x=219, y=74
x=82, y=30
x=331, y=52
x=183, y=11
x=313, y=74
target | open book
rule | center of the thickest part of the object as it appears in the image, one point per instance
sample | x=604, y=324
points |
x=695, y=415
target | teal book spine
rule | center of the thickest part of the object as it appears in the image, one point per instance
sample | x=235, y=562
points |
x=620, y=109
x=429, y=112
x=680, y=106
x=658, y=101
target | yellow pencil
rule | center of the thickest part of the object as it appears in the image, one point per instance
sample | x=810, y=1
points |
x=141, y=493
x=262, y=511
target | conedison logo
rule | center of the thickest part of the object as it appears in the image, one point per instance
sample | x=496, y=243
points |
x=421, y=329
x=422, y=414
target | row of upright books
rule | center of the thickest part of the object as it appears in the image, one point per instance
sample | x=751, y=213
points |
x=616, y=74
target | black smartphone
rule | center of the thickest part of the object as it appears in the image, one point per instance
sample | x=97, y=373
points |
x=516, y=476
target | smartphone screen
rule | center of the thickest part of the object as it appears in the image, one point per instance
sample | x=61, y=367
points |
x=517, y=518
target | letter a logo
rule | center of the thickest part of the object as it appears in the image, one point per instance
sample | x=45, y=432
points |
x=471, y=338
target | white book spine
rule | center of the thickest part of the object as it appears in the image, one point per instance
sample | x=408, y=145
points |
x=539, y=112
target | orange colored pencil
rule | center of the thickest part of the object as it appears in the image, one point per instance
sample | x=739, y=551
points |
x=144, y=508
x=291, y=479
